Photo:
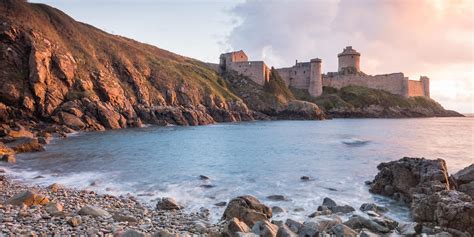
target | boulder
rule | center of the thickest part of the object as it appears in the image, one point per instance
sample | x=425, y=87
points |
x=277, y=209
x=124, y=218
x=365, y=207
x=55, y=187
x=451, y=209
x=403, y=178
x=220, y=204
x=385, y=222
x=277, y=198
x=465, y=180
x=265, y=229
x=284, y=231
x=5, y=150
x=71, y=121
x=293, y=225
x=20, y=132
x=93, y=211
x=168, y=204
x=329, y=202
x=318, y=225
x=342, y=209
x=320, y=213
x=360, y=222
x=248, y=209
x=203, y=177
x=10, y=158
x=305, y=178
x=28, y=198
x=408, y=229
x=26, y=145
x=341, y=230
x=75, y=221
x=54, y=208
x=465, y=175
x=234, y=225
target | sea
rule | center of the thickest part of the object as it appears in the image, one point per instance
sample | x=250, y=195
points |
x=260, y=158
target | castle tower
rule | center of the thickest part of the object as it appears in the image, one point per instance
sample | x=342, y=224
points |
x=315, y=79
x=349, y=60
x=425, y=81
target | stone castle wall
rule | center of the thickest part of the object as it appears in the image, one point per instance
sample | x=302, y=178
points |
x=395, y=83
x=255, y=70
x=297, y=76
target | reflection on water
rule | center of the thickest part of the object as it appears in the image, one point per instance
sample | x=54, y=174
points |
x=258, y=158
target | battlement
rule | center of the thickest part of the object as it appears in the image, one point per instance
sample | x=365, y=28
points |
x=309, y=76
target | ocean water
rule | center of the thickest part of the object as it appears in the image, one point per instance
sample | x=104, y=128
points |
x=257, y=158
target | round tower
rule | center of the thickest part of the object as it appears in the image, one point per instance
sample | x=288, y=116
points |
x=315, y=80
x=349, y=60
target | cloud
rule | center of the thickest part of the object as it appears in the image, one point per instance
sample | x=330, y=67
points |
x=414, y=37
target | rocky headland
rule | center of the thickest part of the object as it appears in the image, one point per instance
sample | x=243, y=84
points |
x=440, y=205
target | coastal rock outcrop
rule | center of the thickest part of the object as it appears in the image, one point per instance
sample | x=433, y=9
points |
x=464, y=180
x=403, y=178
x=167, y=203
x=247, y=209
x=425, y=185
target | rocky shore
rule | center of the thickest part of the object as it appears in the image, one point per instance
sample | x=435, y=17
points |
x=440, y=205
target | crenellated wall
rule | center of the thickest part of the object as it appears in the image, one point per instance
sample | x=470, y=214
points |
x=395, y=83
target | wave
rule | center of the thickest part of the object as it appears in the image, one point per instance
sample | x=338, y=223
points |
x=355, y=142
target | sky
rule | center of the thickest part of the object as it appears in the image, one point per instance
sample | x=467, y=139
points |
x=433, y=38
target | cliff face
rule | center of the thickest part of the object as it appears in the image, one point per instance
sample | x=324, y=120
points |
x=57, y=70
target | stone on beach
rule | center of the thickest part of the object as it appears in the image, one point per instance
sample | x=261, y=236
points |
x=247, y=209
x=93, y=211
x=75, y=221
x=234, y=225
x=9, y=158
x=28, y=198
x=284, y=231
x=168, y=204
x=341, y=230
x=54, y=208
x=264, y=228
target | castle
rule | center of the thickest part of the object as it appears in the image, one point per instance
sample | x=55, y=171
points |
x=309, y=76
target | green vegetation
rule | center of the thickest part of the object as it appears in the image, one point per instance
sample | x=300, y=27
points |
x=360, y=97
x=277, y=86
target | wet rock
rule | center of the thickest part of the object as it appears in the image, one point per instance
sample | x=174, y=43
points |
x=385, y=222
x=342, y=209
x=329, y=202
x=403, y=178
x=467, y=188
x=54, y=208
x=298, y=209
x=293, y=225
x=284, y=231
x=265, y=229
x=93, y=211
x=5, y=150
x=207, y=186
x=320, y=213
x=318, y=225
x=28, y=198
x=234, y=225
x=10, y=158
x=203, y=177
x=220, y=204
x=167, y=204
x=2, y=171
x=71, y=121
x=373, y=207
x=26, y=145
x=359, y=222
x=248, y=209
x=123, y=217
x=450, y=209
x=368, y=233
x=408, y=229
x=341, y=230
x=305, y=178
x=277, y=198
x=75, y=221
x=277, y=209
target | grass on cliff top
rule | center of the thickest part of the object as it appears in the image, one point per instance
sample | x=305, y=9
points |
x=359, y=97
x=276, y=86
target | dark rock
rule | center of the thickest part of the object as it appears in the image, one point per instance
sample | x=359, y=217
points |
x=277, y=209
x=305, y=178
x=373, y=207
x=220, y=204
x=277, y=198
x=465, y=175
x=341, y=230
x=93, y=211
x=359, y=222
x=293, y=225
x=123, y=217
x=265, y=228
x=408, y=229
x=320, y=213
x=207, y=186
x=203, y=177
x=342, y=209
x=318, y=225
x=284, y=231
x=247, y=209
x=10, y=158
x=450, y=209
x=75, y=221
x=402, y=178
x=167, y=204
x=329, y=202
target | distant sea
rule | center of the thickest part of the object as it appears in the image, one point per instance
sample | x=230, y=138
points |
x=257, y=158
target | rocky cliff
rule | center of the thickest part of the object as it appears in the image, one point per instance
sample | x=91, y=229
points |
x=56, y=70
